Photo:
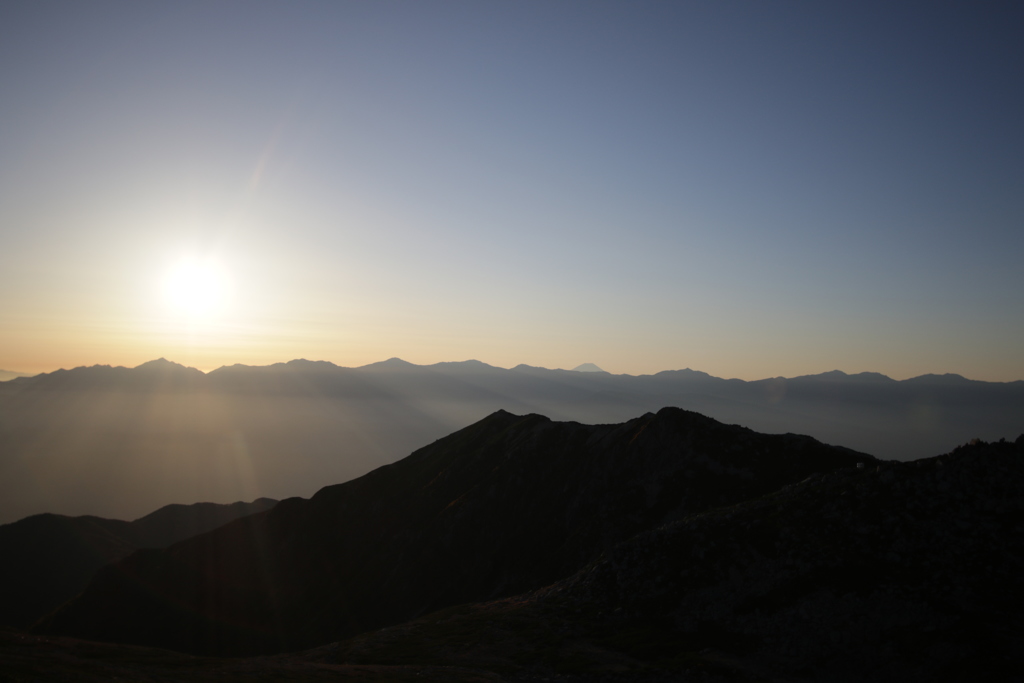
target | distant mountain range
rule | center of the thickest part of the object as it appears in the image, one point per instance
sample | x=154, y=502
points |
x=48, y=559
x=117, y=442
x=670, y=547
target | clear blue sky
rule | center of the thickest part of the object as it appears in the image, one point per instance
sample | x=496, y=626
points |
x=751, y=189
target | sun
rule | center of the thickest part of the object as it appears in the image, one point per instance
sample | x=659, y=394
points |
x=196, y=288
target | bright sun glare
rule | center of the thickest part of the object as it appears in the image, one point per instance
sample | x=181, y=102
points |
x=196, y=288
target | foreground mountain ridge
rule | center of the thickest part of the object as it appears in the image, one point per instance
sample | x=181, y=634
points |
x=506, y=505
x=881, y=571
x=891, y=572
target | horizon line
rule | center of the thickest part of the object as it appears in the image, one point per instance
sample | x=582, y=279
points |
x=395, y=360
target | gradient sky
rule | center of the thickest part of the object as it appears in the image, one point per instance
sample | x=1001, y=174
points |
x=750, y=189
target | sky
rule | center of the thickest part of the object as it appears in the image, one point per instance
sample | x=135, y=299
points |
x=748, y=189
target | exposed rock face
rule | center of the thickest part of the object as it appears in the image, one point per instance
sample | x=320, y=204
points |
x=507, y=505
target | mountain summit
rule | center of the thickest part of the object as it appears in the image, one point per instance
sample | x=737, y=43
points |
x=587, y=367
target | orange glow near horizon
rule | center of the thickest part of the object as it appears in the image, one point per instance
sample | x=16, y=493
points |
x=205, y=355
x=267, y=305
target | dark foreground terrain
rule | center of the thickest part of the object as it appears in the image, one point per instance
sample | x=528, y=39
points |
x=900, y=572
x=669, y=548
x=48, y=559
x=26, y=658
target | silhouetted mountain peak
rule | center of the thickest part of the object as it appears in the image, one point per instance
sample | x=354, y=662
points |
x=234, y=367
x=471, y=364
x=155, y=375
x=587, y=367
x=390, y=364
x=310, y=365
x=946, y=378
x=873, y=377
x=840, y=376
x=686, y=373
x=532, y=369
x=831, y=375
x=162, y=365
x=497, y=422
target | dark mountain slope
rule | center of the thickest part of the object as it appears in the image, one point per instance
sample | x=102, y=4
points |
x=48, y=559
x=894, y=572
x=31, y=658
x=506, y=505
x=173, y=523
x=26, y=658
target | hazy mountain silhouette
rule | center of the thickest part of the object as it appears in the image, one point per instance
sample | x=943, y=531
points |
x=116, y=442
x=48, y=559
x=587, y=367
x=506, y=505
x=10, y=374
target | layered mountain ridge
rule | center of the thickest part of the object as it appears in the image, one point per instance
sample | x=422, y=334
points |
x=6, y=375
x=116, y=442
x=48, y=559
x=506, y=505
x=668, y=548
